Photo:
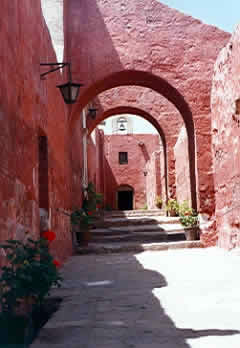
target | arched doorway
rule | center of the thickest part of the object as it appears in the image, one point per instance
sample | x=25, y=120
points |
x=125, y=198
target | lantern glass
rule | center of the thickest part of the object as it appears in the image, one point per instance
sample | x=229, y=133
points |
x=70, y=91
x=92, y=112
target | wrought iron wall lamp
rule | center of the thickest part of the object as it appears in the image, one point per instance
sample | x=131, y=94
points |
x=69, y=90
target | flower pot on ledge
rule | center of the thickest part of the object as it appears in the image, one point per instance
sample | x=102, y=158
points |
x=172, y=213
x=192, y=233
x=84, y=236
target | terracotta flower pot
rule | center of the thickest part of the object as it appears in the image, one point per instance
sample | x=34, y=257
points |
x=191, y=234
x=84, y=235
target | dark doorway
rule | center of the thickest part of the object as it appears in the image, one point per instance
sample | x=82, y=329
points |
x=125, y=200
x=43, y=183
x=43, y=173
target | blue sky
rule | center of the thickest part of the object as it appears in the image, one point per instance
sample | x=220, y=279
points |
x=225, y=14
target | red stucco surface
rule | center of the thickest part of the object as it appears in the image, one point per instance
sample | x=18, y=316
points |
x=183, y=192
x=155, y=187
x=139, y=148
x=96, y=159
x=226, y=142
x=30, y=107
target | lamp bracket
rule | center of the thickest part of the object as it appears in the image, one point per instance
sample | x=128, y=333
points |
x=59, y=66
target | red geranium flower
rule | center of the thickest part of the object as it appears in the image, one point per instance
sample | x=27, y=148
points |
x=49, y=235
x=90, y=212
x=56, y=263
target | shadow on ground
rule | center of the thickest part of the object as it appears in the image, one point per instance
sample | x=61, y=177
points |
x=109, y=302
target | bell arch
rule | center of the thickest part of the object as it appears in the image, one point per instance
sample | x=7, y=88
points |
x=139, y=112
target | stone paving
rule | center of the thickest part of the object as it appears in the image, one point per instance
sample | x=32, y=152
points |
x=168, y=299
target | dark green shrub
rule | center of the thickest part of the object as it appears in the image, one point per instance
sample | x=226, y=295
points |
x=29, y=275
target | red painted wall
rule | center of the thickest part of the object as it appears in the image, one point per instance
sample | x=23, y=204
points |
x=30, y=107
x=183, y=192
x=76, y=153
x=153, y=180
x=131, y=174
x=226, y=143
x=163, y=176
x=92, y=158
x=96, y=159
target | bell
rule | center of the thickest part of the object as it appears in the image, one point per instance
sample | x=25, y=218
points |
x=122, y=127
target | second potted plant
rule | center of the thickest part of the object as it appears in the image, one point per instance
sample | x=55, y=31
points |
x=158, y=202
x=172, y=207
x=189, y=220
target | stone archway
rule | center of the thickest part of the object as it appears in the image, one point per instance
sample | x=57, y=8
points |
x=161, y=110
x=161, y=86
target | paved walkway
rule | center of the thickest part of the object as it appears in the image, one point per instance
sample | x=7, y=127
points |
x=168, y=299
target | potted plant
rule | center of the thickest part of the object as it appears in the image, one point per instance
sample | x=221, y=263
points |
x=81, y=220
x=184, y=209
x=172, y=207
x=158, y=202
x=24, y=283
x=93, y=201
x=85, y=217
x=189, y=219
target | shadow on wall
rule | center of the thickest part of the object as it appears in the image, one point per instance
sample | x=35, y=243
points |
x=144, y=152
x=87, y=29
x=99, y=171
x=110, y=187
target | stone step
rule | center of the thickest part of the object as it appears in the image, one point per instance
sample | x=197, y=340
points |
x=109, y=232
x=124, y=213
x=158, y=227
x=136, y=247
x=127, y=221
x=140, y=233
x=125, y=230
x=140, y=229
x=139, y=237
